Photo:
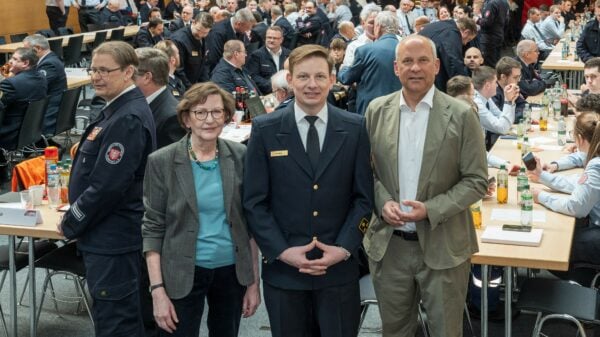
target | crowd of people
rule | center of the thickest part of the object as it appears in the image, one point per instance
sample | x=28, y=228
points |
x=378, y=146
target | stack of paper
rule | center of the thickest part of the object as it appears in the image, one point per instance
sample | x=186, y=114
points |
x=495, y=234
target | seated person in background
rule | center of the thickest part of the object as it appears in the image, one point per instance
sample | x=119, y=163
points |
x=52, y=67
x=553, y=26
x=149, y=35
x=589, y=103
x=184, y=20
x=146, y=8
x=473, y=59
x=268, y=60
x=587, y=45
x=462, y=88
x=493, y=119
x=27, y=84
x=258, y=31
x=337, y=50
x=111, y=15
x=229, y=72
x=531, y=83
x=508, y=71
x=309, y=27
x=583, y=200
x=281, y=89
x=175, y=84
x=420, y=23
x=280, y=21
x=345, y=32
x=591, y=73
x=531, y=31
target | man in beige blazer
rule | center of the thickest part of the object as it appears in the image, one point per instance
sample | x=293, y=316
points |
x=429, y=165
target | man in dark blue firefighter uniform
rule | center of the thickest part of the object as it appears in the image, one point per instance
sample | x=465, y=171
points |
x=106, y=192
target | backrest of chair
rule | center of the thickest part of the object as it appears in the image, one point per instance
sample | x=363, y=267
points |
x=99, y=38
x=65, y=119
x=117, y=34
x=31, y=129
x=2, y=40
x=56, y=45
x=17, y=37
x=72, y=53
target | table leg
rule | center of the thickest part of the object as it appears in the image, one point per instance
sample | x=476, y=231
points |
x=32, y=300
x=13, y=285
x=484, y=300
x=508, y=302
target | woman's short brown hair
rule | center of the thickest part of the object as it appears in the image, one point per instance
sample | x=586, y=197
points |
x=198, y=94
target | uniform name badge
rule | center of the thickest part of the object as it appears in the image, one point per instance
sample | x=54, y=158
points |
x=195, y=53
x=280, y=153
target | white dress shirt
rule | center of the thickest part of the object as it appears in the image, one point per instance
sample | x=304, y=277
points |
x=351, y=49
x=412, y=135
x=303, y=124
x=491, y=118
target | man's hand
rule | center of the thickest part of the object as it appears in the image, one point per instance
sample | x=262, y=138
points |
x=391, y=213
x=511, y=92
x=99, y=6
x=75, y=4
x=164, y=311
x=418, y=212
x=535, y=192
x=551, y=168
x=534, y=175
x=331, y=256
x=251, y=300
x=296, y=257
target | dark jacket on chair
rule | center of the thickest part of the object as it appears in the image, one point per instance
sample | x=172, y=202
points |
x=53, y=69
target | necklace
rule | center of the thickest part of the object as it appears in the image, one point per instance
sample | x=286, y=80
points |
x=208, y=165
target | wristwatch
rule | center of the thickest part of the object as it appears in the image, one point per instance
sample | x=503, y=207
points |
x=156, y=286
x=348, y=254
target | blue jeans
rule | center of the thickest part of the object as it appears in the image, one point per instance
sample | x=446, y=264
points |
x=224, y=294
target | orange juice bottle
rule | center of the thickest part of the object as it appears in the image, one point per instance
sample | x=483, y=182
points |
x=476, y=213
x=502, y=185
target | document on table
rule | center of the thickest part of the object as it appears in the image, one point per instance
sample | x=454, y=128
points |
x=12, y=215
x=514, y=215
x=495, y=234
x=236, y=134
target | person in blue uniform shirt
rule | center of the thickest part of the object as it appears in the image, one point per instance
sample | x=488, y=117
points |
x=26, y=85
x=582, y=201
x=105, y=192
x=52, y=67
x=308, y=195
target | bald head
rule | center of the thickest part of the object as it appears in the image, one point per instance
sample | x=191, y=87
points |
x=473, y=58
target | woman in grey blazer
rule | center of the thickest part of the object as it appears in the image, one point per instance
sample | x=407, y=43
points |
x=196, y=240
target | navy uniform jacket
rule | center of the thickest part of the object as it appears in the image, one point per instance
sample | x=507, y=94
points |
x=228, y=77
x=108, y=17
x=219, y=34
x=105, y=187
x=288, y=31
x=144, y=38
x=163, y=109
x=53, y=68
x=287, y=204
x=266, y=16
x=310, y=25
x=145, y=12
x=448, y=43
x=192, y=55
x=176, y=86
x=258, y=34
x=171, y=8
x=373, y=71
x=18, y=91
x=531, y=83
x=261, y=67
x=175, y=25
x=588, y=45
x=494, y=16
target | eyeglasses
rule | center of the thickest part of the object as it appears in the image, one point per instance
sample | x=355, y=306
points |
x=103, y=72
x=203, y=114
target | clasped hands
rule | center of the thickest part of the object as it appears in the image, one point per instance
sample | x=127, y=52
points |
x=296, y=257
x=395, y=216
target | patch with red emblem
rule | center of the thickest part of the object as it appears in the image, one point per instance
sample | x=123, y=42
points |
x=92, y=135
x=582, y=179
x=487, y=13
x=114, y=154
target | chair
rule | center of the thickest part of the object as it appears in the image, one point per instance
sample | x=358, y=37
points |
x=559, y=299
x=65, y=31
x=65, y=119
x=72, y=52
x=56, y=45
x=117, y=34
x=99, y=38
x=2, y=40
x=18, y=37
x=64, y=261
x=31, y=129
x=46, y=32
x=92, y=27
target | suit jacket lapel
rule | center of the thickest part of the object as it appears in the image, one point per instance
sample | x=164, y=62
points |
x=185, y=177
x=334, y=138
x=227, y=174
x=439, y=117
x=290, y=140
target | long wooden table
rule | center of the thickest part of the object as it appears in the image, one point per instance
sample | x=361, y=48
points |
x=571, y=71
x=46, y=230
x=87, y=38
x=555, y=248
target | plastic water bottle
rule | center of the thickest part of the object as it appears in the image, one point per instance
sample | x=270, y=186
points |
x=139, y=20
x=522, y=181
x=526, y=206
x=53, y=185
x=527, y=117
x=562, y=131
x=525, y=146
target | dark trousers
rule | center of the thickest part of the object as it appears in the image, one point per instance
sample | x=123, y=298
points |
x=584, y=250
x=292, y=312
x=224, y=295
x=88, y=16
x=56, y=19
x=113, y=282
x=491, y=52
